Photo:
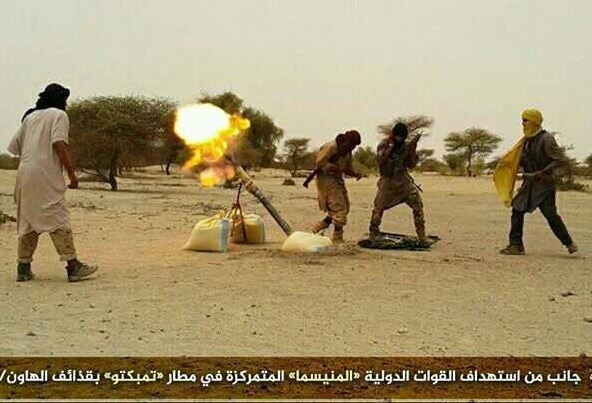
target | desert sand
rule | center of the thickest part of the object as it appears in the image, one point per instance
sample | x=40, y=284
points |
x=152, y=298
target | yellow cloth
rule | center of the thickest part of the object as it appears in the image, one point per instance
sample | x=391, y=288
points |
x=532, y=120
x=507, y=169
x=533, y=115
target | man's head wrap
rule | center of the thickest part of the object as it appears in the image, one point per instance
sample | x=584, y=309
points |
x=348, y=140
x=533, y=115
x=400, y=130
x=53, y=96
x=506, y=171
x=532, y=122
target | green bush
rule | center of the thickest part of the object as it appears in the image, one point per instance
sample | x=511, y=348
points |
x=4, y=218
x=564, y=183
x=432, y=165
x=566, y=178
x=364, y=161
x=8, y=162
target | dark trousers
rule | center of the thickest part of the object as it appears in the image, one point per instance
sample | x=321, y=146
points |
x=549, y=209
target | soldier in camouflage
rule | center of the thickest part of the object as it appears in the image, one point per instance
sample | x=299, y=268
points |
x=333, y=161
x=395, y=185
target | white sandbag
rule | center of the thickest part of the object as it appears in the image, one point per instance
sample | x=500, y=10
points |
x=210, y=235
x=305, y=242
x=254, y=228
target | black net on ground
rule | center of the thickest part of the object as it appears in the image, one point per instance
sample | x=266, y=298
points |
x=398, y=241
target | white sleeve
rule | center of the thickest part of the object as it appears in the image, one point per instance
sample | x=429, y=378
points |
x=15, y=146
x=60, y=128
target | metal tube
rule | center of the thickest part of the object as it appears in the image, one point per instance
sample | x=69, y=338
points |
x=255, y=191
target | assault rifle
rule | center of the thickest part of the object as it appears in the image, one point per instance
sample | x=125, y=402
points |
x=317, y=170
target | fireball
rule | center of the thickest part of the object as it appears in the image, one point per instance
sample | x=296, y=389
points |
x=207, y=131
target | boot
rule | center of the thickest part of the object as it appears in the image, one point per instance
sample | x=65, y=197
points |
x=374, y=231
x=23, y=272
x=319, y=226
x=572, y=248
x=338, y=235
x=421, y=237
x=78, y=270
x=513, y=250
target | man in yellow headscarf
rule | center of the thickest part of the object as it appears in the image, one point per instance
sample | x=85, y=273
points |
x=539, y=156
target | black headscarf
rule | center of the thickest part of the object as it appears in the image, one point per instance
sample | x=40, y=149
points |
x=54, y=96
x=400, y=130
x=349, y=140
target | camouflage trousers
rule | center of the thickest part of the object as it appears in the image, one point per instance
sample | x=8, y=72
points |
x=62, y=239
x=413, y=200
x=333, y=199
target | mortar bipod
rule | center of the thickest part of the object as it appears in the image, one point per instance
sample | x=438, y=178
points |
x=236, y=210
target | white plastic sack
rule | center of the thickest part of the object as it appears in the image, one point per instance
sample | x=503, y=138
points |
x=254, y=229
x=305, y=242
x=209, y=235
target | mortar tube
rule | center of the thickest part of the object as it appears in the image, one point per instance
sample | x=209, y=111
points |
x=255, y=191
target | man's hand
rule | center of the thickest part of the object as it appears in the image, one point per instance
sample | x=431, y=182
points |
x=389, y=147
x=73, y=182
x=543, y=176
x=412, y=146
x=384, y=156
x=353, y=174
x=63, y=151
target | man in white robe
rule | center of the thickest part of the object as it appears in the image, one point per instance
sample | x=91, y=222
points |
x=42, y=145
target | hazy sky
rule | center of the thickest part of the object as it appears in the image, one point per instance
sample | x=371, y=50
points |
x=317, y=67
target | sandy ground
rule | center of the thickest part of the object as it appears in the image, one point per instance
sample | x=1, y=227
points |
x=152, y=298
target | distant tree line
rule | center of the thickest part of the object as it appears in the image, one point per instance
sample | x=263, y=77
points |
x=7, y=161
x=468, y=151
x=111, y=135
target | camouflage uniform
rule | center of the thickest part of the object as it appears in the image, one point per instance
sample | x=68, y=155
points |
x=396, y=186
x=332, y=193
x=331, y=164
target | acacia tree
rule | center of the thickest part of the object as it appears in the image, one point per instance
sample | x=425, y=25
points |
x=108, y=133
x=424, y=154
x=229, y=101
x=263, y=134
x=427, y=162
x=588, y=161
x=472, y=143
x=246, y=155
x=364, y=161
x=7, y=161
x=565, y=177
x=296, y=154
x=262, y=137
x=416, y=124
x=456, y=162
x=431, y=164
x=493, y=163
x=172, y=145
